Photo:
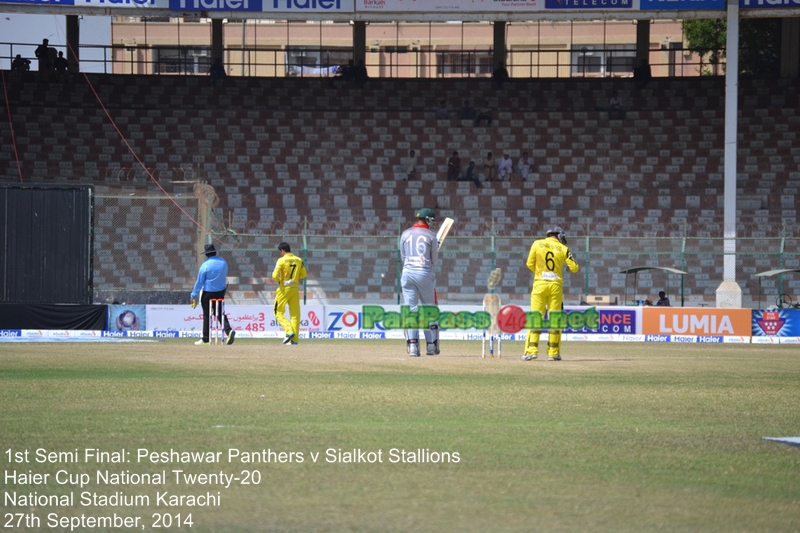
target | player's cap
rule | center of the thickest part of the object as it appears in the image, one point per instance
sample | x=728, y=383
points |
x=210, y=249
x=426, y=213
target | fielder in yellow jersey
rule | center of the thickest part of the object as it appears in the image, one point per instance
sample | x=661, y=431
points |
x=289, y=270
x=546, y=260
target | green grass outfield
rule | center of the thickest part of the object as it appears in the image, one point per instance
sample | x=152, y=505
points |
x=614, y=438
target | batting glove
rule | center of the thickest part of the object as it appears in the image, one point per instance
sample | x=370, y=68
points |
x=193, y=303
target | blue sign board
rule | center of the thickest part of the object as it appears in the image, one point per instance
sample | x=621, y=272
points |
x=681, y=5
x=778, y=323
x=614, y=321
x=40, y=2
x=215, y=5
x=768, y=4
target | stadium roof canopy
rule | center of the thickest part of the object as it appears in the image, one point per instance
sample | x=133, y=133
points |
x=635, y=271
x=770, y=273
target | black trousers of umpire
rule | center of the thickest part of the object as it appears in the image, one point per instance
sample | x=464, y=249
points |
x=205, y=300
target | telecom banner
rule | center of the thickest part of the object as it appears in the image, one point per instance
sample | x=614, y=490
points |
x=592, y=5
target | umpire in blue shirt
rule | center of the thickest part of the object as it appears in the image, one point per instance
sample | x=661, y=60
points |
x=211, y=279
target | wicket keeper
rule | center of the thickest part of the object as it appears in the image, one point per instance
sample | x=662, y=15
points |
x=546, y=260
x=289, y=270
x=419, y=252
x=212, y=280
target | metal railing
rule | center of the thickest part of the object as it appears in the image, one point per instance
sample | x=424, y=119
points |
x=260, y=62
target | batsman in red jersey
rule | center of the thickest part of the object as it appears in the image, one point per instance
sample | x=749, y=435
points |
x=546, y=260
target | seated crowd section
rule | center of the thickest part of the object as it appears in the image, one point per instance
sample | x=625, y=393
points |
x=329, y=159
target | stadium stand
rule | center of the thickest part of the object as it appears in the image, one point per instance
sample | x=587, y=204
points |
x=297, y=155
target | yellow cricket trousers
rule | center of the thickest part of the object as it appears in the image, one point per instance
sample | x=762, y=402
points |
x=290, y=296
x=545, y=296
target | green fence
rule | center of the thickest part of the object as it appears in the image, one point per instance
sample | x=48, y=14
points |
x=148, y=247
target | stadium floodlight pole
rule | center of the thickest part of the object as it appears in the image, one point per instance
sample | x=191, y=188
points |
x=729, y=293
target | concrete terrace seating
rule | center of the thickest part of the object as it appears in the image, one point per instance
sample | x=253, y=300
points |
x=288, y=154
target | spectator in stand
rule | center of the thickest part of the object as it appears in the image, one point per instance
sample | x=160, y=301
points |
x=467, y=112
x=61, y=65
x=524, y=166
x=42, y=53
x=411, y=166
x=500, y=75
x=663, y=300
x=484, y=114
x=217, y=71
x=20, y=64
x=344, y=73
x=360, y=74
x=489, y=169
x=642, y=75
x=615, y=110
x=505, y=168
x=454, y=167
x=471, y=175
x=443, y=110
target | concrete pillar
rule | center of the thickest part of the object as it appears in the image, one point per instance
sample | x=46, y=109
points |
x=359, y=42
x=729, y=293
x=642, y=41
x=499, y=44
x=73, y=42
x=217, y=44
x=790, y=48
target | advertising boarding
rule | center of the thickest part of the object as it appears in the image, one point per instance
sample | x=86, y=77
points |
x=265, y=6
x=776, y=326
x=257, y=321
x=689, y=324
x=681, y=5
x=447, y=6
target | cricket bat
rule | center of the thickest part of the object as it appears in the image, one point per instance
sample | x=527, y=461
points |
x=444, y=230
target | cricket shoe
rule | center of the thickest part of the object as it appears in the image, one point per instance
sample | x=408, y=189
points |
x=293, y=344
x=554, y=358
x=432, y=349
x=201, y=342
x=413, y=349
x=231, y=336
x=288, y=338
x=530, y=356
